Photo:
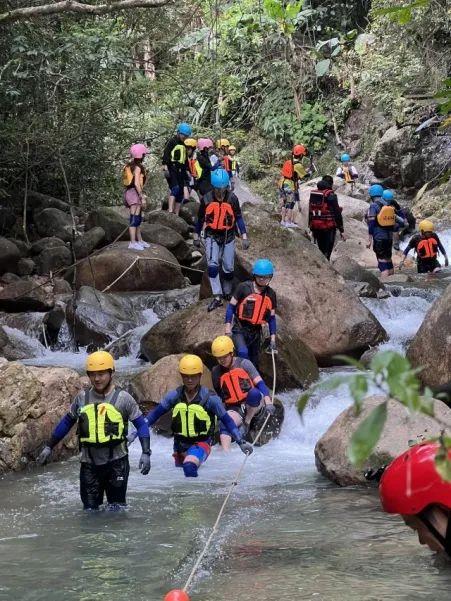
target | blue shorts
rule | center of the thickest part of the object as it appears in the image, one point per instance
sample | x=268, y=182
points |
x=177, y=193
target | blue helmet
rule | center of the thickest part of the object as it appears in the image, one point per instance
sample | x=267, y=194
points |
x=388, y=195
x=375, y=190
x=345, y=158
x=220, y=179
x=184, y=129
x=263, y=268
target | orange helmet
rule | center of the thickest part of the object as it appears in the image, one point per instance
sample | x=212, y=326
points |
x=299, y=150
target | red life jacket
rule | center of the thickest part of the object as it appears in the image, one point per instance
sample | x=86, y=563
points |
x=287, y=169
x=226, y=163
x=255, y=308
x=427, y=248
x=219, y=216
x=235, y=384
x=320, y=215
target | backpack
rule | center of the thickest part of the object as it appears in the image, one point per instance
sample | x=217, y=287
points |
x=386, y=216
x=287, y=170
x=127, y=176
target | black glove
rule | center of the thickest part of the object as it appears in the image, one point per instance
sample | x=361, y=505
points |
x=270, y=409
x=245, y=243
x=144, y=463
x=196, y=243
x=44, y=455
x=246, y=447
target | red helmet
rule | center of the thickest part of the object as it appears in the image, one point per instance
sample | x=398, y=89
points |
x=299, y=150
x=411, y=482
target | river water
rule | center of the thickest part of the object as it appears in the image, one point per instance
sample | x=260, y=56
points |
x=287, y=534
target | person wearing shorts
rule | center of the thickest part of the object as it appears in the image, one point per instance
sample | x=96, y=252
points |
x=134, y=178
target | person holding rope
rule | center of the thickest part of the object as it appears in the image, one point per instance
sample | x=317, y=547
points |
x=253, y=305
x=218, y=219
x=176, y=167
x=102, y=414
x=240, y=386
x=194, y=412
x=133, y=179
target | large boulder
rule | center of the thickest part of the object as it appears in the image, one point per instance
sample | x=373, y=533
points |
x=331, y=450
x=37, y=200
x=9, y=256
x=45, y=243
x=155, y=233
x=353, y=208
x=364, y=282
x=14, y=345
x=32, y=400
x=53, y=221
x=148, y=387
x=27, y=295
x=431, y=347
x=113, y=224
x=156, y=270
x=96, y=318
x=296, y=365
x=53, y=259
x=313, y=299
x=92, y=239
x=26, y=266
x=169, y=220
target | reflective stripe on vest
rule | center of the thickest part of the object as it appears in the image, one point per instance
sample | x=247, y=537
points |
x=235, y=384
x=191, y=420
x=178, y=154
x=255, y=308
x=321, y=217
x=427, y=248
x=101, y=424
x=219, y=216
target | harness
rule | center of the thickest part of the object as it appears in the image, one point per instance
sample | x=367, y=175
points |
x=320, y=215
x=192, y=420
x=255, y=308
x=235, y=384
x=219, y=216
x=427, y=248
x=101, y=424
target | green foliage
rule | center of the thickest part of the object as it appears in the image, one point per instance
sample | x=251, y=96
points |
x=402, y=14
x=444, y=97
x=390, y=373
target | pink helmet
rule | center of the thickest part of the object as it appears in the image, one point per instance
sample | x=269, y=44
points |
x=138, y=151
x=204, y=143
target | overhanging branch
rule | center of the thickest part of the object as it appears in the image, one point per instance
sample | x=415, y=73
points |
x=70, y=6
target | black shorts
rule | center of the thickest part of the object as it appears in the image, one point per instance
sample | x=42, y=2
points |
x=97, y=480
x=427, y=265
x=383, y=249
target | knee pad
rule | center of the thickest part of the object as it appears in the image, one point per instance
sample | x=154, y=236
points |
x=213, y=271
x=200, y=450
x=242, y=352
x=254, y=397
x=190, y=469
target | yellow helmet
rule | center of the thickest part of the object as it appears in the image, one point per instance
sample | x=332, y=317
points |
x=232, y=147
x=426, y=226
x=99, y=361
x=221, y=346
x=190, y=365
x=222, y=142
x=191, y=142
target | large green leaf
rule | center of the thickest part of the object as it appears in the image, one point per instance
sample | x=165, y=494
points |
x=322, y=67
x=367, y=435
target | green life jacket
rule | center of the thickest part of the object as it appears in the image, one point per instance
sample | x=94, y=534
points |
x=192, y=420
x=101, y=424
x=178, y=154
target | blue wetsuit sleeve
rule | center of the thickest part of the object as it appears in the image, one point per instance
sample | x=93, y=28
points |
x=263, y=388
x=62, y=429
x=163, y=407
x=272, y=323
x=241, y=225
x=141, y=426
x=371, y=218
x=230, y=313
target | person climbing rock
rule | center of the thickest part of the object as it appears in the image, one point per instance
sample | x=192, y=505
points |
x=102, y=414
x=176, y=167
x=194, y=412
x=218, y=219
x=234, y=166
x=347, y=172
x=427, y=245
x=381, y=219
x=133, y=179
x=253, y=305
x=204, y=166
x=412, y=487
x=240, y=386
x=325, y=216
x=293, y=171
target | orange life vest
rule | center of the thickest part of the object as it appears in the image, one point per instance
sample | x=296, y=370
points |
x=347, y=174
x=226, y=163
x=427, y=248
x=219, y=216
x=255, y=308
x=235, y=384
x=192, y=168
x=287, y=169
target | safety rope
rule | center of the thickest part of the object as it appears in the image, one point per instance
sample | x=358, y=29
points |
x=235, y=482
